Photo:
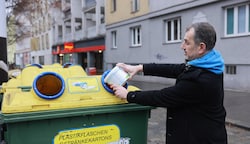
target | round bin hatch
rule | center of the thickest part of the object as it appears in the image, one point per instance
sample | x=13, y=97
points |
x=106, y=86
x=49, y=85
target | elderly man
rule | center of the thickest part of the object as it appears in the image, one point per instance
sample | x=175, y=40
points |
x=195, y=111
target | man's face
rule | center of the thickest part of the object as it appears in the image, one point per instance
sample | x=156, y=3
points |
x=191, y=50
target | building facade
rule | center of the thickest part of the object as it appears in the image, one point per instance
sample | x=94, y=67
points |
x=41, y=40
x=35, y=44
x=156, y=35
x=64, y=31
x=78, y=33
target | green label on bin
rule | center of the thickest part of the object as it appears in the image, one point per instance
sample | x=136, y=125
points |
x=93, y=135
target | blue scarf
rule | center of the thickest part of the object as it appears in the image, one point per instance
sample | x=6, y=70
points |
x=212, y=61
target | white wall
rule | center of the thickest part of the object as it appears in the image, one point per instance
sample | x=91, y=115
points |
x=3, y=32
x=76, y=8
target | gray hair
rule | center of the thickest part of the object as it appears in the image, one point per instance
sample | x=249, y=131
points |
x=204, y=32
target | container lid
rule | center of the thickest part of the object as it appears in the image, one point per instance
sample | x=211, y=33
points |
x=116, y=76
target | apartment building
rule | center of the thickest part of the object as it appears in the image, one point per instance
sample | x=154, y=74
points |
x=64, y=31
x=118, y=37
x=78, y=33
x=156, y=35
x=35, y=44
x=40, y=41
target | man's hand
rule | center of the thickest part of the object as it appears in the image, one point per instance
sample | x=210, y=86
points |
x=131, y=69
x=120, y=91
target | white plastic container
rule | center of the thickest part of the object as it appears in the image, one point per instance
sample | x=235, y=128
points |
x=116, y=76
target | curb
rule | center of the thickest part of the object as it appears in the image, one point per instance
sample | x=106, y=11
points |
x=238, y=124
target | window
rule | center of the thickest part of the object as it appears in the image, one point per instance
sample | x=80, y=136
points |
x=44, y=24
x=60, y=31
x=41, y=60
x=135, y=5
x=47, y=41
x=113, y=5
x=231, y=69
x=39, y=43
x=135, y=36
x=173, y=30
x=49, y=22
x=42, y=43
x=237, y=20
x=114, y=39
x=242, y=19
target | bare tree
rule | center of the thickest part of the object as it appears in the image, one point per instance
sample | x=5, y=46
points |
x=19, y=18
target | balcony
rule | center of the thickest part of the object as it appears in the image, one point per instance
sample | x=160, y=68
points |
x=68, y=37
x=93, y=32
x=102, y=29
x=58, y=40
x=65, y=6
x=90, y=4
x=67, y=15
x=79, y=35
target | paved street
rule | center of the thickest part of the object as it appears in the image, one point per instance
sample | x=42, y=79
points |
x=156, y=130
x=236, y=113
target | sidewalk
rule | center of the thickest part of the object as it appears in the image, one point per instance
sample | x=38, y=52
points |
x=237, y=103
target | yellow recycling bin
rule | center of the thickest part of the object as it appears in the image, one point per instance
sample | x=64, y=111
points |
x=63, y=105
x=55, y=86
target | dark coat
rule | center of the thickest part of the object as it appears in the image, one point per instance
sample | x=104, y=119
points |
x=195, y=111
